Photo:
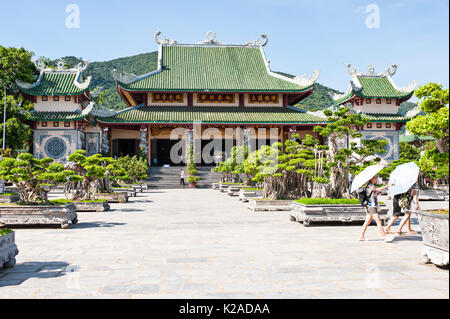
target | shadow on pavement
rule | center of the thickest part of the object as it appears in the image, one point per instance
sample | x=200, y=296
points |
x=82, y=225
x=24, y=271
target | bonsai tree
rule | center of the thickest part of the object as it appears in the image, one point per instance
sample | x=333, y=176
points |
x=34, y=177
x=89, y=170
x=135, y=167
x=286, y=171
x=233, y=166
x=113, y=174
x=191, y=168
x=435, y=123
x=343, y=161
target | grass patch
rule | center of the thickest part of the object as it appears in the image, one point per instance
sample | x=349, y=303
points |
x=438, y=211
x=231, y=183
x=252, y=189
x=8, y=194
x=5, y=231
x=327, y=201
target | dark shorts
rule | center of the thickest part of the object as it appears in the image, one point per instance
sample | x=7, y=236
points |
x=397, y=211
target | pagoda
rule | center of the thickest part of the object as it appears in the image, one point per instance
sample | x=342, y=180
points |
x=62, y=106
x=212, y=84
x=378, y=98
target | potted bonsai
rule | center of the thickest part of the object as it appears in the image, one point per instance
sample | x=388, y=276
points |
x=34, y=179
x=136, y=168
x=8, y=248
x=434, y=227
x=91, y=189
x=191, y=169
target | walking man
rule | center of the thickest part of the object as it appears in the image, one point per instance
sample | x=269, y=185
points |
x=182, y=177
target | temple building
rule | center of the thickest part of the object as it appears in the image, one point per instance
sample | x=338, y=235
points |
x=204, y=92
x=378, y=98
x=213, y=85
x=61, y=115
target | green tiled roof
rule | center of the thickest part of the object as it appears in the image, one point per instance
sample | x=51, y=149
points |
x=55, y=83
x=375, y=87
x=60, y=116
x=379, y=87
x=213, y=114
x=209, y=68
x=411, y=138
x=375, y=117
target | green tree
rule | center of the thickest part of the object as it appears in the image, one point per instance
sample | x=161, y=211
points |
x=286, y=170
x=191, y=168
x=434, y=103
x=233, y=166
x=34, y=177
x=409, y=152
x=15, y=65
x=135, y=167
x=343, y=161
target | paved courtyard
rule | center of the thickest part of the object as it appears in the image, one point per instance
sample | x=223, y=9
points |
x=199, y=243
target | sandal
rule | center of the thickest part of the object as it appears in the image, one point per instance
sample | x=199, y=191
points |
x=400, y=233
x=388, y=231
x=363, y=238
x=412, y=232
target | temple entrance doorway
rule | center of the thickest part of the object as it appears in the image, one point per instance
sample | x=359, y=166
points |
x=125, y=146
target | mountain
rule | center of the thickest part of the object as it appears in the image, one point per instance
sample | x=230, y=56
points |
x=146, y=62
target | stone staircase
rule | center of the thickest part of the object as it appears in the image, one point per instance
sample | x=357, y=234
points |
x=169, y=177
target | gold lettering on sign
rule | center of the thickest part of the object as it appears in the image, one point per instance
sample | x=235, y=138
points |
x=263, y=98
x=221, y=98
x=168, y=97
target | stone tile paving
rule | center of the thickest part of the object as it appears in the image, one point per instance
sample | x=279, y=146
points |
x=199, y=243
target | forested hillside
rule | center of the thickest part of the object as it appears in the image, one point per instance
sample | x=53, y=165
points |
x=146, y=62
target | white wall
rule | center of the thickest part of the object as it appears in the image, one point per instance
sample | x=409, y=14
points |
x=377, y=108
x=56, y=106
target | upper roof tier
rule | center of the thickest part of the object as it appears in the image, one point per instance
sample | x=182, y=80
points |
x=59, y=81
x=215, y=67
x=372, y=85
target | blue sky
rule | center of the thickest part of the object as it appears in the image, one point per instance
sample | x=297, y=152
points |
x=303, y=35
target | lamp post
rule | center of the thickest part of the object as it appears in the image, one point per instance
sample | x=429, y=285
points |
x=4, y=114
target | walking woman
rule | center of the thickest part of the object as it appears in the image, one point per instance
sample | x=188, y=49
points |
x=372, y=209
x=402, y=207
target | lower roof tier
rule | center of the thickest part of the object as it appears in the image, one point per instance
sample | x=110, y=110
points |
x=212, y=115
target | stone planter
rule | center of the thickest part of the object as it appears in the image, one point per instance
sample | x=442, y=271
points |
x=192, y=185
x=38, y=215
x=268, y=205
x=345, y=213
x=137, y=187
x=8, y=250
x=245, y=195
x=91, y=207
x=434, y=229
x=223, y=187
x=130, y=191
x=234, y=190
x=113, y=197
x=215, y=186
x=9, y=198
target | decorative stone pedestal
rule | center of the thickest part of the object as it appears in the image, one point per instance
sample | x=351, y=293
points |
x=113, y=197
x=130, y=191
x=434, y=229
x=9, y=198
x=38, y=215
x=234, y=190
x=345, y=213
x=245, y=195
x=92, y=207
x=268, y=205
x=8, y=250
x=215, y=186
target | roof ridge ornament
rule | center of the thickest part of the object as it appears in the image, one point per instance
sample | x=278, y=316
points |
x=257, y=42
x=165, y=39
x=371, y=71
x=123, y=77
x=210, y=38
x=302, y=80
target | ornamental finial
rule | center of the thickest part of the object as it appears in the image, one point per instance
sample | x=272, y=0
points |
x=258, y=42
x=165, y=40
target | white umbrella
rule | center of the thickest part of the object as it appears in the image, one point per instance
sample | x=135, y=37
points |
x=403, y=177
x=365, y=176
